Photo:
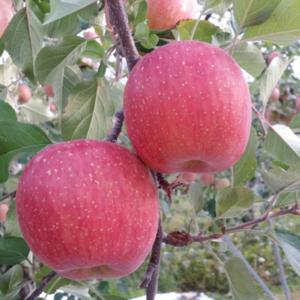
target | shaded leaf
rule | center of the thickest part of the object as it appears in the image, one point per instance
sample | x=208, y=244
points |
x=11, y=184
x=151, y=42
x=78, y=291
x=12, y=227
x=295, y=123
x=7, y=112
x=140, y=12
x=244, y=169
x=196, y=196
x=113, y=297
x=287, y=199
x=93, y=50
x=3, y=92
x=221, y=8
x=117, y=97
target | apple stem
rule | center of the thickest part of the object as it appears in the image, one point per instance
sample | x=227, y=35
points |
x=154, y=259
x=40, y=289
x=117, y=127
x=119, y=20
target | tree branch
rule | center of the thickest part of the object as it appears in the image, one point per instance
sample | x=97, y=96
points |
x=118, y=18
x=40, y=289
x=10, y=195
x=117, y=127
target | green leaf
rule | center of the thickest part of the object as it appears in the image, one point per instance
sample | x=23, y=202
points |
x=78, y=291
x=209, y=4
x=12, y=227
x=90, y=106
x=3, y=92
x=50, y=288
x=65, y=53
x=271, y=76
x=233, y=201
x=13, y=250
x=240, y=280
x=101, y=71
x=64, y=82
x=183, y=34
x=221, y=8
x=290, y=244
x=287, y=199
x=23, y=41
x=278, y=179
x=253, y=12
x=7, y=112
x=117, y=96
x=244, y=169
x=282, y=165
x=11, y=184
x=142, y=30
x=204, y=31
x=196, y=196
x=250, y=58
x=283, y=144
x=140, y=12
x=259, y=199
x=37, y=110
x=11, y=279
x=295, y=123
x=113, y=297
x=93, y=50
x=17, y=138
x=67, y=17
x=281, y=28
x=151, y=42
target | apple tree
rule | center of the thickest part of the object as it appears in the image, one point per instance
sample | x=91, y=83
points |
x=108, y=108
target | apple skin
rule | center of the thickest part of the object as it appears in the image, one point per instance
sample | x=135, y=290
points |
x=188, y=178
x=24, y=93
x=3, y=211
x=164, y=14
x=48, y=90
x=6, y=14
x=187, y=108
x=297, y=103
x=222, y=183
x=272, y=56
x=207, y=179
x=275, y=95
x=52, y=107
x=88, y=209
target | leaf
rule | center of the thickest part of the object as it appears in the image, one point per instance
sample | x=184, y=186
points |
x=250, y=58
x=3, y=92
x=16, y=138
x=295, y=124
x=77, y=291
x=112, y=297
x=142, y=30
x=283, y=144
x=221, y=8
x=90, y=106
x=64, y=82
x=287, y=199
x=52, y=59
x=12, y=227
x=253, y=12
x=183, y=34
x=240, y=280
x=11, y=279
x=209, y=4
x=278, y=179
x=290, y=244
x=7, y=112
x=151, y=42
x=244, y=169
x=281, y=28
x=93, y=50
x=140, y=12
x=23, y=41
x=117, y=96
x=8, y=71
x=64, y=17
x=50, y=288
x=11, y=184
x=233, y=201
x=196, y=196
x=37, y=111
x=13, y=250
x=271, y=76
x=204, y=31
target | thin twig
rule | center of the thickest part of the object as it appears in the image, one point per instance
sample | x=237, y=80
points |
x=10, y=195
x=40, y=289
x=117, y=127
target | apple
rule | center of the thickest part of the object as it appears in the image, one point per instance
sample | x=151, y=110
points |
x=187, y=178
x=88, y=209
x=6, y=14
x=297, y=103
x=24, y=93
x=93, y=35
x=207, y=179
x=187, y=108
x=164, y=14
x=272, y=56
x=48, y=90
x=222, y=183
x=3, y=211
x=275, y=95
x=272, y=115
x=287, y=119
x=52, y=107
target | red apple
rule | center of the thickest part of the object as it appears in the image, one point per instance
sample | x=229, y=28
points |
x=222, y=183
x=3, y=211
x=275, y=95
x=164, y=15
x=272, y=56
x=48, y=90
x=92, y=35
x=287, y=119
x=297, y=103
x=52, y=107
x=6, y=14
x=24, y=93
x=187, y=108
x=188, y=178
x=88, y=209
x=207, y=179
